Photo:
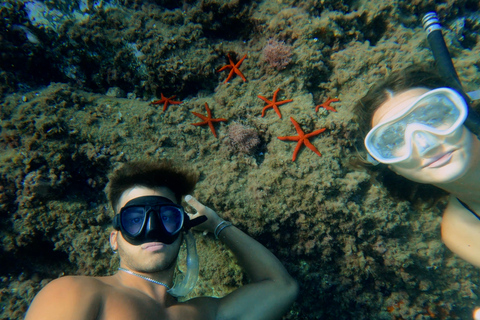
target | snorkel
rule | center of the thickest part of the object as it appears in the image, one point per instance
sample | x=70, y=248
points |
x=186, y=283
x=445, y=67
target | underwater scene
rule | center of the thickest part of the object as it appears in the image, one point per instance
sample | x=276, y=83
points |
x=256, y=96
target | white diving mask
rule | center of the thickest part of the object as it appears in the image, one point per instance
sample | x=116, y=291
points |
x=440, y=112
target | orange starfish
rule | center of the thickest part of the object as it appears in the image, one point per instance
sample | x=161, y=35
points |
x=207, y=120
x=233, y=68
x=302, y=138
x=274, y=103
x=165, y=101
x=326, y=105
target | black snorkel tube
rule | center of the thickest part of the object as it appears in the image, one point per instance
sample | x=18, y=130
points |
x=432, y=26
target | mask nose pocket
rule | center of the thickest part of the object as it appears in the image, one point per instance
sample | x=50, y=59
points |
x=424, y=142
x=153, y=224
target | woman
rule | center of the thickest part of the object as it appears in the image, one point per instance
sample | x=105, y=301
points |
x=413, y=122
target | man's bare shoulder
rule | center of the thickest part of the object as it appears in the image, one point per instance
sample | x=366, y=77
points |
x=196, y=308
x=76, y=297
x=73, y=285
x=80, y=297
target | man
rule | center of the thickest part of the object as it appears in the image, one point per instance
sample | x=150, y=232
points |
x=149, y=225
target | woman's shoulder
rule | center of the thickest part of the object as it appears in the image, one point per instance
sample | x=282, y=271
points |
x=457, y=209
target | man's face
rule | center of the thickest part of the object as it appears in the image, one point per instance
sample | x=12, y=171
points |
x=148, y=257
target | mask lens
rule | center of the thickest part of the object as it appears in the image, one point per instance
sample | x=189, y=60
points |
x=133, y=219
x=172, y=219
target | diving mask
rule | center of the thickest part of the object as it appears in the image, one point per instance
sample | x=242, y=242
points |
x=153, y=219
x=440, y=112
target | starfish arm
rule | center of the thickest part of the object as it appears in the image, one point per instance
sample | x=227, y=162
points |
x=265, y=109
x=201, y=116
x=175, y=102
x=297, y=127
x=210, y=124
x=209, y=113
x=289, y=138
x=277, y=111
x=238, y=72
x=230, y=75
x=240, y=62
x=311, y=147
x=165, y=105
x=275, y=94
x=330, y=108
x=314, y=133
x=297, y=148
x=219, y=120
x=265, y=99
x=224, y=68
x=282, y=102
x=326, y=105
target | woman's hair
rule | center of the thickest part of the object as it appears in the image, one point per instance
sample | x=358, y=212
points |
x=150, y=175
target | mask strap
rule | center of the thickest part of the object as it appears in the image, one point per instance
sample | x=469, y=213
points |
x=474, y=95
x=193, y=223
x=372, y=160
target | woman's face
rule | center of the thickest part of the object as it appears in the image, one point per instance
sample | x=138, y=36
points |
x=435, y=159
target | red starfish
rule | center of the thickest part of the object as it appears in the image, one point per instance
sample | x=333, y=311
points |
x=207, y=119
x=165, y=101
x=233, y=68
x=274, y=103
x=326, y=105
x=302, y=138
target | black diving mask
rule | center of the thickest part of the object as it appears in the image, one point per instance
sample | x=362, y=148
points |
x=153, y=219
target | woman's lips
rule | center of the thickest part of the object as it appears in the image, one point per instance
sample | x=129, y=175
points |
x=153, y=246
x=442, y=160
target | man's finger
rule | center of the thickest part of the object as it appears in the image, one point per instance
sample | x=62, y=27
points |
x=194, y=202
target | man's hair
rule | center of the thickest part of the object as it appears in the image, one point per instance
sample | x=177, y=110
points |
x=150, y=175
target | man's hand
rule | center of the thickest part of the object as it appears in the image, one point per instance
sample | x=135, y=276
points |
x=202, y=210
x=271, y=290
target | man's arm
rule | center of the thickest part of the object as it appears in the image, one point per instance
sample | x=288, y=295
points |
x=73, y=298
x=271, y=291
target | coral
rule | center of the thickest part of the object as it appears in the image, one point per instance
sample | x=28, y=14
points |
x=242, y=138
x=278, y=54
